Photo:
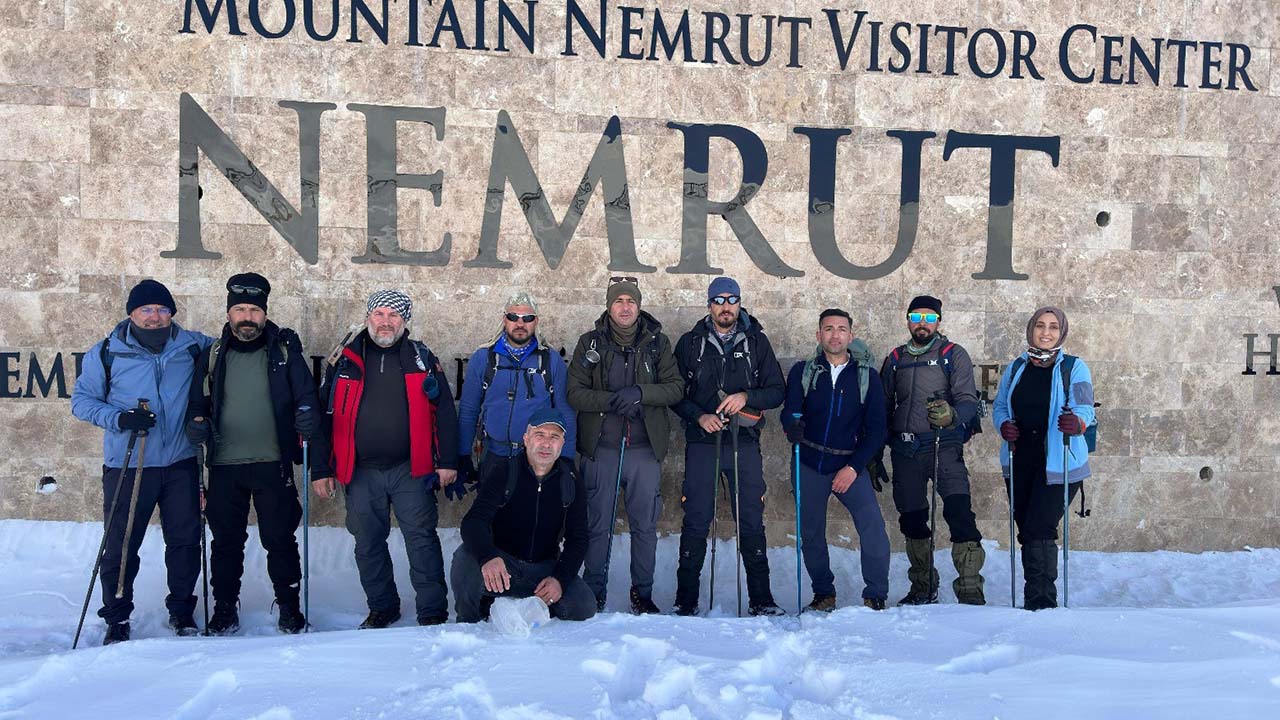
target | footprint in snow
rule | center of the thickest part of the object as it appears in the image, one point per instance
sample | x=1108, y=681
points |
x=204, y=703
x=983, y=660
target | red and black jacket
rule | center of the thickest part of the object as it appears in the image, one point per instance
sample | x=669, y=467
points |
x=433, y=422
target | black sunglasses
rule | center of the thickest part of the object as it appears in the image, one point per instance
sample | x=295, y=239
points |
x=624, y=278
x=515, y=317
x=246, y=290
x=722, y=299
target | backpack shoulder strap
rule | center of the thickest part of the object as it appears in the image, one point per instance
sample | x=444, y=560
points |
x=105, y=356
x=1068, y=364
x=945, y=357
x=544, y=369
x=215, y=350
x=568, y=483
x=490, y=370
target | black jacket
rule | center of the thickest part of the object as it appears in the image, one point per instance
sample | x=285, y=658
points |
x=530, y=524
x=291, y=386
x=749, y=364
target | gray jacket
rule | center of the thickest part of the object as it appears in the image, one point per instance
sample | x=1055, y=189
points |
x=910, y=380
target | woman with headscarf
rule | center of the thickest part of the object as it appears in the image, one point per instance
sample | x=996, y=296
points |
x=1044, y=397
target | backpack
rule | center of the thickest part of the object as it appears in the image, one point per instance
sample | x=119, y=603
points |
x=859, y=352
x=971, y=428
x=544, y=361
x=107, y=357
x=753, y=372
x=215, y=351
x=568, y=482
x=1068, y=364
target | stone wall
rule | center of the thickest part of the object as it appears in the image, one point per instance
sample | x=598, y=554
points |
x=1156, y=229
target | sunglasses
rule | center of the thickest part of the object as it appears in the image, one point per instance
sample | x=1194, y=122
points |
x=246, y=290
x=624, y=278
x=923, y=317
x=516, y=317
x=722, y=299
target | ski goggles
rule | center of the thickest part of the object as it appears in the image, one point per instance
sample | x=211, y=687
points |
x=246, y=290
x=722, y=299
x=517, y=317
x=923, y=317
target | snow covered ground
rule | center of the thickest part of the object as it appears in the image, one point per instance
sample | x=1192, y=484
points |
x=1149, y=635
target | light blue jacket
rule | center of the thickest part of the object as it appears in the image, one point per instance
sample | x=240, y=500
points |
x=164, y=380
x=1081, y=382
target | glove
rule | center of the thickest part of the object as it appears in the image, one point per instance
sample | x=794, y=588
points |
x=466, y=472
x=431, y=387
x=1070, y=423
x=941, y=414
x=136, y=420
x=621, y=400
x=795, y=432
x=1009, y=430
x=457, y=489
x=879, y=476
x=199, y=431
x=306, y=422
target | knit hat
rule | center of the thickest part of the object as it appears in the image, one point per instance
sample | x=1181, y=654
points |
x=925, y=301
x=1062, y=323
x=722, y=285
x=248, y=288
x=150, y=292
x=625, y=287
x=393, y=299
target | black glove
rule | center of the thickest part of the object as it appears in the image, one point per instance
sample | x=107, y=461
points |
x=457, y=489
x=136, y=420
x=306, y=421
x=198, y=431
x=466, y=472
x=622, y=400
x=431, y=387
x=879, y=476
x=795, y=432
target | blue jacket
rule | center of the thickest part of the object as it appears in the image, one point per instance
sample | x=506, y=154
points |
x=1081, y=382
x=164, y=379
x=496, y=411
x=836, y=417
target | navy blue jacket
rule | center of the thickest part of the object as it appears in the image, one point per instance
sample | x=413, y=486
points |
x=836, y=418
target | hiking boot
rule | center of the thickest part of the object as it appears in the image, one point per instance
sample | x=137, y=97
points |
x=969, y=558
x=116, y=632
x=642, y=605
x=378, y=619
x=874, y=603
x=765, y=609
x=923, y=576
x=225, y=620
x=1040, y=570
x=183, y=625
x=822, y=603
x=426, y=620
x=686, y=610
x=291, y=620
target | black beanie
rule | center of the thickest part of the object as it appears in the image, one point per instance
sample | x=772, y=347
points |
x=240, y=290
x=925, y=301
x=150, y=292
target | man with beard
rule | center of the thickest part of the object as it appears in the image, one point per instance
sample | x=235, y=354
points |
x=932, y=401
x=730, y=377
x=621, y=381
x=835, y=413
x=507, y=380
x=147, y=356
x=394, y=434
x=252, y=396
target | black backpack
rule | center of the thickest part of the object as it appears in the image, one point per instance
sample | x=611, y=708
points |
x=568, y=481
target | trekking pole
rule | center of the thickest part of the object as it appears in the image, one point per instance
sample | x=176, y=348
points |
x=133, y=508
x=737, y=517
x=204, y=548
x=1013, y=573
x=933, y=507
x=1066, y=517
x=795, y=460
x=617, y=489
x=102, y=546
x=715, y=497
x=306, y=525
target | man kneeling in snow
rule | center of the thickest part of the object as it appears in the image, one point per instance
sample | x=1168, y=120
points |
x=511, y=536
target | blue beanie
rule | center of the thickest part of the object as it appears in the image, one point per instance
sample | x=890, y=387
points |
x=723, y=285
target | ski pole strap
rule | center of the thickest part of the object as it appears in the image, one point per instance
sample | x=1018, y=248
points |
x=823, y=448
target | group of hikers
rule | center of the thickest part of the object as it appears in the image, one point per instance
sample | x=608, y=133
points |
x=550, y=446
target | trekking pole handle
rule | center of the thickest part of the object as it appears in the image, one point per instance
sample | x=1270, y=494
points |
x=144, y=404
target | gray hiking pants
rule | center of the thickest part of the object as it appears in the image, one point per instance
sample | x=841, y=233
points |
x=641, y=478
